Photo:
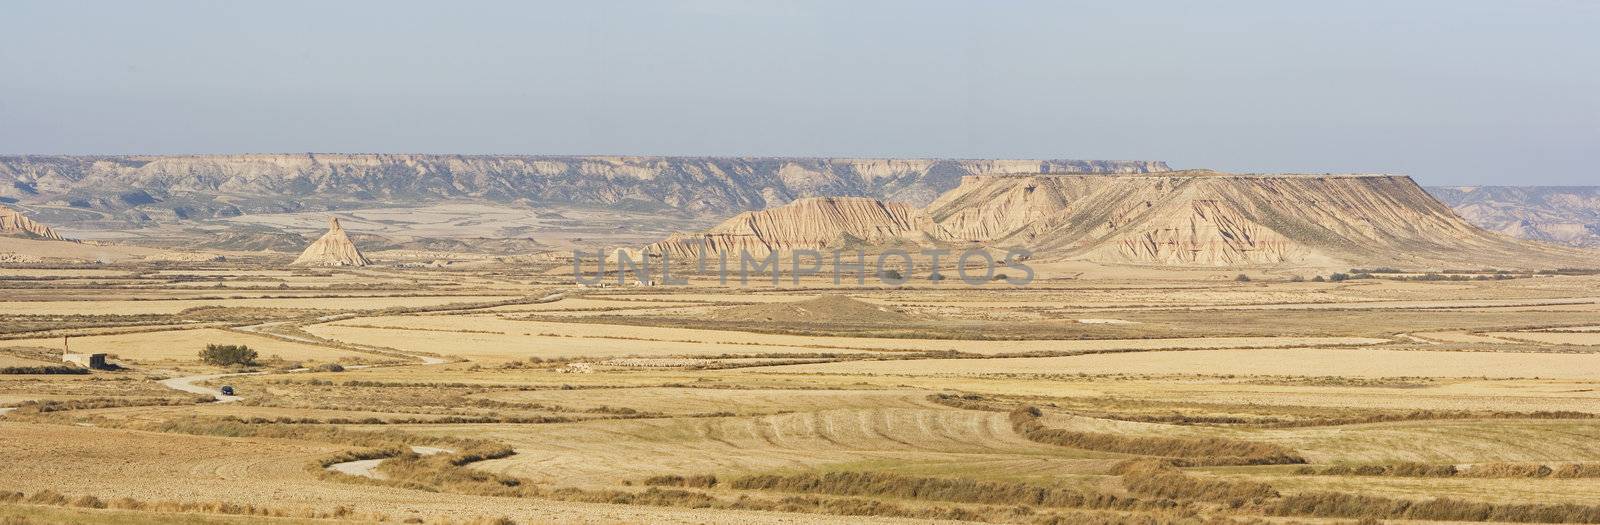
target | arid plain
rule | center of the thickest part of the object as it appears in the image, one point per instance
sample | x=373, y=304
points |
x=1165, y=396
x=1133, y=345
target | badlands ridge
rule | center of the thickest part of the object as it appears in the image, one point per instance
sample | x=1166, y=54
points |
x=1195, y=218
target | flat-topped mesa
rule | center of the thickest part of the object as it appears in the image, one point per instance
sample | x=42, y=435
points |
x=1206, y=218
x=332, y=249
x=819, y=223
x=15, y=224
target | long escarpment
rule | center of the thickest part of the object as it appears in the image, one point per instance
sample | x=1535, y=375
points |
x=157, y=188
x=1194, y=218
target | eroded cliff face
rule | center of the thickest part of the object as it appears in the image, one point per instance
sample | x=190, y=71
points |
x=1192, y=218
x=1204, y=218
x=820, y=223
x=157, y=188
x=15, y=224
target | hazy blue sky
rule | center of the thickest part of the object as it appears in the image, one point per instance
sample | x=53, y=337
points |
x=1449, y=91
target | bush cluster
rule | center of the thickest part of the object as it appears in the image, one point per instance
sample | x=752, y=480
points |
x=227, y=355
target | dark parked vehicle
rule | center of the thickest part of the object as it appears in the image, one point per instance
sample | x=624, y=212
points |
x=227, y=390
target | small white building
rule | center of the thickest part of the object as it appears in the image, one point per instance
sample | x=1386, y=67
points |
x=90, y=361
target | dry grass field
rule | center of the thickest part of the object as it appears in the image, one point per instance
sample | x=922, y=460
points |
x=1175, y=397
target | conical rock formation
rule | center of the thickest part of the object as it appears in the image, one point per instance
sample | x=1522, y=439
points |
x=15, y=224
x=333, y=249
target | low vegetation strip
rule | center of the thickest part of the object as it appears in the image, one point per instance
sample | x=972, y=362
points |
x=1278, y=417
x=1187, y=451
x=941, y=489
x=1414, y=415
x=56, y=499
x=285, y=420
x=1358, y=506
x=44, y=370
x=233, y=427
x=1485, y=470
x=62, y=405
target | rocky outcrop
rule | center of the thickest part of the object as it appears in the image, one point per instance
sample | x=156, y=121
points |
x=820, y=223
x=1561, y=214
x=165, y=188
x=15, y=224
x=332, y=249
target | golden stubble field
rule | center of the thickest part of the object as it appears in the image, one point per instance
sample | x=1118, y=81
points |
x=1156, y=397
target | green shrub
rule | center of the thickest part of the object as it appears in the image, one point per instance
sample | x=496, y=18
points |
x=225, y=355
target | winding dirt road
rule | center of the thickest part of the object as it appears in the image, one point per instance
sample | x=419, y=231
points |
x=188, y=384
x=367, y=468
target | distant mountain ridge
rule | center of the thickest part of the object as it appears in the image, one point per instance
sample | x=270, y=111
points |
x=113, y=192
x=138, y=188
x=1562, y=214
